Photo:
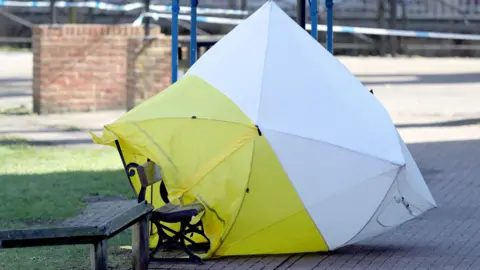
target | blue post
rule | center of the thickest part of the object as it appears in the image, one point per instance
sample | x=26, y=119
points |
x=314, y=18
x=175, y=11
x=329, y=5
x=193, y=31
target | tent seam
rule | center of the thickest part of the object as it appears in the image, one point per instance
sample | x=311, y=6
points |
x=264, y=60
x=308, y=212
x=338, y=146
x=304, y=206
x=177, y=117
x=156, y=144
x=241, y=204
x=221, y=161
x=356, y=185
x=378, y=207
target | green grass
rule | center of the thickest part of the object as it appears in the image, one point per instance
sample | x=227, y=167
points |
x=20, y=110
x=43, y=185
x=13, y=49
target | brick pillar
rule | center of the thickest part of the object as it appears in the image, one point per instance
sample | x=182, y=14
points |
x=81, y=67
x=149, y=68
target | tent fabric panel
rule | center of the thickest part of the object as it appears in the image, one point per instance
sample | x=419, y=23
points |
x=375, y=226
x=320, y=170
x=400, y=205
x=188, y=149
x=414, y=179
x=404, y=203
x=185, y=149
x=196, y=155
x=229, y=179
x=272, y=218
x=234, y=65
x=190, y=96
x=344, y=215
x=311, y=94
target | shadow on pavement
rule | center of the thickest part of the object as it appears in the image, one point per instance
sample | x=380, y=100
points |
x=420, y=78
x=60, y=142
x=14, y=80
x=452, y=123
x=15, y=87
x=49, y=130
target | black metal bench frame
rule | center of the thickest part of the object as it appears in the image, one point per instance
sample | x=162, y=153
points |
x=169, y=213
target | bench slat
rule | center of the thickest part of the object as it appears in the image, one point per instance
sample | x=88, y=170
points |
x=174, y=213
x=127, y=218
x=100, y=213
x=49, y=236
x=98, y=221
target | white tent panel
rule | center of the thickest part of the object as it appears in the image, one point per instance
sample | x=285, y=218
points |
x=319, y=170
x=414, y=178
x=399, y=206
x=389, y=214
x=234, y=65
x=306, y=91
x=344, y=215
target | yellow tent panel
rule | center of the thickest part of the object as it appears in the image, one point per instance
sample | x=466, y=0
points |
x=272, y=219
x=215, y=155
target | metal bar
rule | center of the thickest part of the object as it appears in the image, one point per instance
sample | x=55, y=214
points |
x=393, y=25
x=329, y=6
x=119, y=149
x=15, y=18
x=314, y=18
x=53, y=12
x=146, y=19
x=181, y=23
x=301, y=13
x=15, y=40
x=175, y=11
x=193, y=31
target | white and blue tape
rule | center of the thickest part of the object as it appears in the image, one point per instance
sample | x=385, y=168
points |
x=399, y=33
x=114, y=7
x=323, y=28
x=230, y=21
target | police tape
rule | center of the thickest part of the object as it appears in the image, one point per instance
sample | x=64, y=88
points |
x=323, y=28
x=399, y=33
x=115, y=7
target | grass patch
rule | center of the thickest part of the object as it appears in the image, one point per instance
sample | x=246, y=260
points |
x=44, y=186
x=20, y=110
x=14, y=49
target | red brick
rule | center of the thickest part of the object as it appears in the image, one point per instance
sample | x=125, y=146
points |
x=84, y=67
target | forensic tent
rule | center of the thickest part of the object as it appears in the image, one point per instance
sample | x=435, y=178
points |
x=284, y=147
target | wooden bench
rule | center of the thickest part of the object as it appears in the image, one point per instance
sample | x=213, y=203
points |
x=149, y=174
x=97, y=223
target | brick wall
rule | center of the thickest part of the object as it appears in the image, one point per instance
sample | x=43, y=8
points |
x=81, y=67
x=149, y=68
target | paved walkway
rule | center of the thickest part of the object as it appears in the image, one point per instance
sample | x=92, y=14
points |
x=434, y=103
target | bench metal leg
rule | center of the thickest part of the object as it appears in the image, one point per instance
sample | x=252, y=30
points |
x=98, y=255
x=140, y=252
x=177, y=241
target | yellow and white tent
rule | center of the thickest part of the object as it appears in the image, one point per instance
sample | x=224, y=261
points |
x=286, y=149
